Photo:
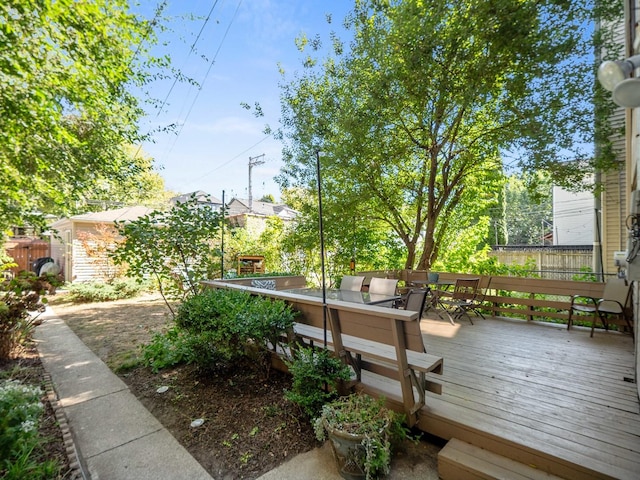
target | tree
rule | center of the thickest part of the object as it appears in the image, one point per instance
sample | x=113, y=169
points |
x=68, y=72
x=415, y=117
x=146, y=188
x=347, y=235
x=530, y=206
x=177, y=249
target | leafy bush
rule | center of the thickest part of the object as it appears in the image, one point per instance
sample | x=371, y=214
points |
x=22, y=302
x=105, y=291
x=20, y=413
x=316, y=373
x=586, y=275
x=218, y=326
x=174, y=347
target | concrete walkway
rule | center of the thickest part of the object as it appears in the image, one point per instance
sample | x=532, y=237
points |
x=116, y=438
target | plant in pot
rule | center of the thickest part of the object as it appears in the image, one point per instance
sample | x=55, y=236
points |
x=362, y=432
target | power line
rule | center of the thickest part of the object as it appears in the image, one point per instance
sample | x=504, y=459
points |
x=202, y=175
x=213, y=61
x=191, y=50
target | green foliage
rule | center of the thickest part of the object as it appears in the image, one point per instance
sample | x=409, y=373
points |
x=529, y=200
x=69, y=72
x=346, y=235
x=419, y=156
x=20, y=414
x=145, y=188
x=176, y=248
x=466, y=260
x=22, y=301
x=116, y=289
x=260, y=237
x=6, y=261
x=316, y=374
x=171, y=348
x=364, y=416
x=216, y=327
x=586, y=275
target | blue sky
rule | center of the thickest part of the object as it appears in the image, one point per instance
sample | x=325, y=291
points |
x=216, y=135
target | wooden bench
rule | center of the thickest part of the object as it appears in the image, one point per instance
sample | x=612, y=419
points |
x=381, y=340
x=384, y=341
x=459, y=460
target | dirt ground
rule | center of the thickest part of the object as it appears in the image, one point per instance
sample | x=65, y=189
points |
x=249, y=428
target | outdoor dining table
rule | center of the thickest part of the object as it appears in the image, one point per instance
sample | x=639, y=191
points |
x=346, y=295
x=434, y=301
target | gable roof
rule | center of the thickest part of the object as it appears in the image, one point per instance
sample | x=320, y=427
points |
x=125, y=214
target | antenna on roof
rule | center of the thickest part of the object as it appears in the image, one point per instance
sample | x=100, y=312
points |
x=253, y=161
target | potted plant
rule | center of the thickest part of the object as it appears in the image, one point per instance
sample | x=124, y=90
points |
x=362, y=432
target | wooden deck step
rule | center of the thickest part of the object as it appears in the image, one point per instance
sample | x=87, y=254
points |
x=459, y=460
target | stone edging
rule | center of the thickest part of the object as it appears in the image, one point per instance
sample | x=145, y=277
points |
x=77, y=472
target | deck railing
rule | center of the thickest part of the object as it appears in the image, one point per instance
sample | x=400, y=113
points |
x=530, y=298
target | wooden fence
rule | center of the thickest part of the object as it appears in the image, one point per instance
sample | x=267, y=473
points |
x=552, y=262
x=25, y=251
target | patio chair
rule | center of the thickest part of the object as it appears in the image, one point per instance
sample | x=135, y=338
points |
x=614, y=303
x=464, y=298
x=351, y=283
x=416, y=300
x=383, y=286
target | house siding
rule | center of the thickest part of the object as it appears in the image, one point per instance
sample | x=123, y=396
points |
x=614, y=198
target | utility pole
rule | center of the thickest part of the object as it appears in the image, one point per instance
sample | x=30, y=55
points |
x=253, y=161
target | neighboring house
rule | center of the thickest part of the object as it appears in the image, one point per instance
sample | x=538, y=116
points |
x=203, y=199
x=69, y=242
x=573, y=215
x=67, y=247
x=254, y=217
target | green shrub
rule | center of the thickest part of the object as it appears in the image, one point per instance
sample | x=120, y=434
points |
x=586, y=275
x=220, y=326
x=97, y=291
x=316, y=374
x=175, y=347
x=21, y=302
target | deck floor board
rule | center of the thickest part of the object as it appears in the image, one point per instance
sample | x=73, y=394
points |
x=547, y=396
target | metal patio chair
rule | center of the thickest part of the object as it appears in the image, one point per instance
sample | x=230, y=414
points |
x=416, y=300
x=614, y=303
x=464, y=298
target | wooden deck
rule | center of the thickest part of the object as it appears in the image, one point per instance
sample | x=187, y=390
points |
x=553, y=399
